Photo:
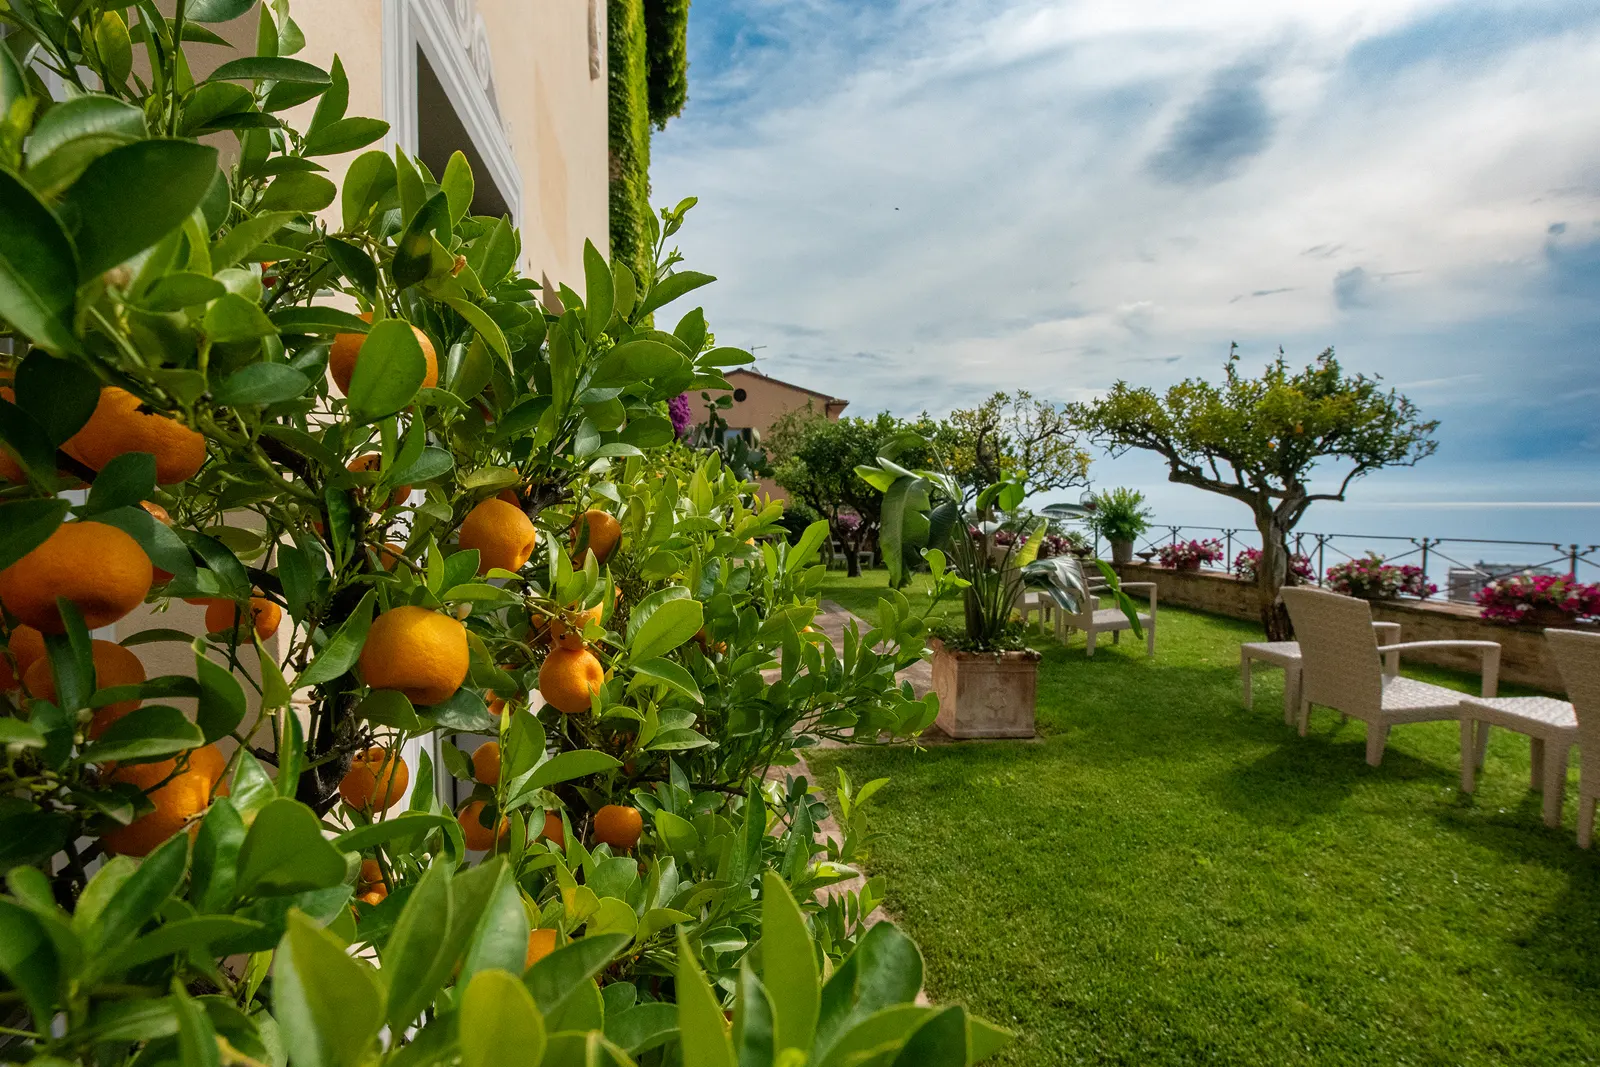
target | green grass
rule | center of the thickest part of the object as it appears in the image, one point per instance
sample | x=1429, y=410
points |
x=1166, y=878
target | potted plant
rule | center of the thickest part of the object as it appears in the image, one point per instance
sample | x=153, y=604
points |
x=1539, y=600
x=984, y=673
x=1119, y=515
x=1188, y=555
x=1370, y=578
x=1246, y=562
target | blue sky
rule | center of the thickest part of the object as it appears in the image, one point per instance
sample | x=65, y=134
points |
x=911, y=204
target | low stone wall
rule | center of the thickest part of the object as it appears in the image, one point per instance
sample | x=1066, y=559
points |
x=1522, y=655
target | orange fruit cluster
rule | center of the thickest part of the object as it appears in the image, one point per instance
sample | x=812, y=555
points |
x=113, y=666
x=118, y=427
x=569, y=677
x=598, y=531
x=479, y=837
x=346, y=349
x=618, y=826
x=222, y=616
x=186, y=795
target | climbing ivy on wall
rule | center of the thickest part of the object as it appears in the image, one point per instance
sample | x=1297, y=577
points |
x=667, y=38
x=647, y=63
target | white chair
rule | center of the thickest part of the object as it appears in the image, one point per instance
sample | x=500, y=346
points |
x=1093, y=619
x=1286, y=655
x=1577, y=657
x=1341, y=668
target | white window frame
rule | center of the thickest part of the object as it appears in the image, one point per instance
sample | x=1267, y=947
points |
x=454, y=38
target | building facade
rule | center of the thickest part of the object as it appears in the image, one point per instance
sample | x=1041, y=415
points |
x=759, y=401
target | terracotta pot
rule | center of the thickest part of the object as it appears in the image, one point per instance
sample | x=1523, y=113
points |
x=985, y=694
x=1544, y=616
x=1121, y=552
x=1188, y=565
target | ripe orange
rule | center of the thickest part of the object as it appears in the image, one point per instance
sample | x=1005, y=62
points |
x=113, y=666
x=541, y=942
x=371, y=875
x=373, y=897
x=222, y=616
x=708, y=646
x=97, y=567
x=389, y=554
x=569, y=677
x=479, y=837
x=618, y=826
x=160, y=514
x=496, y=704
x=502, y=534
x=118, y=427
x=486, y=763
x=185, y=796
x=509, y=496
x=553, y=830
x=347, y=348
x=604, y=532
x=371, y=462
x=418, y=652
x=571, y=637
x=27, y=645
x=376, y=778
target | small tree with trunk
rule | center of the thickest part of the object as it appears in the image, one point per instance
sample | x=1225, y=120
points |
x=1258, y=441
x=1016, y=436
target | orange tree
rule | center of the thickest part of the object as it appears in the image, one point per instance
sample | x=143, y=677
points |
x=410, y=497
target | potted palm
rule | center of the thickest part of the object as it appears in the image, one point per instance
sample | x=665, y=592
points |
x=984, y=673
x=1119, y=515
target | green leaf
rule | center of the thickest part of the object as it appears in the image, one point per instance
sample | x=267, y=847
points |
x=642, y=1027
x=500, y=939
x=672, y=675
x=370, y=176
x=499, y=1022
x=217, y=10
x=184, y=289
x=666, y=626
x=342, y=651
x=364, y=837
x=345, y=135
x=165, y=549
x=390, y=368
x=222, y=703
x=138, y=899
x=270, y=68
x=244, y=238
x=788, y=965
x=411, y=957
x=285, y=852
x=28, y=959
x=388, y=707
x=214, y=872
x=197, y=1037
x=487, y=328
x=331, y=107
x=133, y=196
x=641, y=360
x=413, y=255
x=752, y=1018
x=670, y=288
x=565, y=766
x=231, y=317
x=318, y=319
x=700, y=1031
x=554, y=979
x=458, y=186
x=252, y=789
x=261, y=383
x=884, y=970
x=195, y=934
x=328, y=1005
x=600, y=294
x=124, y=482
x=354, y=264
x=93, y=116
x=145, y=733
x=431, y=463
x=299, y=191
x=38, y=268
x=939, y=1042
x=17, y=732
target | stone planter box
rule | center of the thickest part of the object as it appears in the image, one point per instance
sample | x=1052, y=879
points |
x=985, y=694
x=1522, y=648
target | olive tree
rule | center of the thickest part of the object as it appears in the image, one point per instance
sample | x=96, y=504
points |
x=1258, y=440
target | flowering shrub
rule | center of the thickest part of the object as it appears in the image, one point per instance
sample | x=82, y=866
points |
x=1516, y=598
x=1184, y=555
x=678, y=411
x=1372, y=579
x=1244, y=565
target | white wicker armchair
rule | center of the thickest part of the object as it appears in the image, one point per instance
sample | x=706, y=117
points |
x=1342, y=669
x=1577, y=657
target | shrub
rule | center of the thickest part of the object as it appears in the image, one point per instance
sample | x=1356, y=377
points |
x=490, y=501
x=1119, y=515
x=1372, y=579
x=1245, y=563
x=1186, y=555
x=1522, y=597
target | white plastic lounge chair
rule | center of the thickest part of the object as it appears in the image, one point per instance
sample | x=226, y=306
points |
x=1286, y=655
x=1341, y=668
x=1093, y=619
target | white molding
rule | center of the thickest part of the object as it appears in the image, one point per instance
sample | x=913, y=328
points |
x=452, y=34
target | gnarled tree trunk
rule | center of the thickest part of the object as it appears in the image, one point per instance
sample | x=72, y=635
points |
x=1271, y=573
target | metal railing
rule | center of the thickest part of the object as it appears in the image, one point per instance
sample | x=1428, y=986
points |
x=1460, y=580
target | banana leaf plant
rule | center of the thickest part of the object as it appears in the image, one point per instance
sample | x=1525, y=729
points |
x=924, y=515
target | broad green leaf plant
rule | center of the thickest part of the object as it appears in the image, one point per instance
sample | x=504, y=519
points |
x=412, y=491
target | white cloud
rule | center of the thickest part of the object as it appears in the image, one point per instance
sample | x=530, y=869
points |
x=913, y=205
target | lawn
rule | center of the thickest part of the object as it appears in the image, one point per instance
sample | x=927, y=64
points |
x=1166, y=878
